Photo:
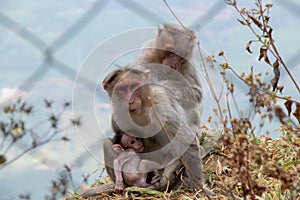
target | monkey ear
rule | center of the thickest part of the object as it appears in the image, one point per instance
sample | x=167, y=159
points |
x=110, y=78
x=159, y=30
x=105, y=86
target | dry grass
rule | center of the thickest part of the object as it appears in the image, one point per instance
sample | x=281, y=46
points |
x=242, y=167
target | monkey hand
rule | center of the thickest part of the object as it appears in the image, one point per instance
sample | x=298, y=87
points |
x=117, y=148
x=156, y=178
x=119, y=187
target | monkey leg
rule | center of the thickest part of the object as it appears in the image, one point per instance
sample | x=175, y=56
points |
x=169, y=175
x=148, y=166
x=195, y=176
x=193, y=159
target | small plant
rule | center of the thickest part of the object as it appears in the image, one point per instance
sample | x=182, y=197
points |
x=14, y=129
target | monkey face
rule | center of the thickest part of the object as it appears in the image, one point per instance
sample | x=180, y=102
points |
x=126, y=95
x=128, y=141
x=174, y=46
x=135, y=101
x=129, y=94
x=128, y=90
x=172, y=60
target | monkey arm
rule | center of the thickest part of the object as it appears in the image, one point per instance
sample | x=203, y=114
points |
x=188, y=95
x=118, y=148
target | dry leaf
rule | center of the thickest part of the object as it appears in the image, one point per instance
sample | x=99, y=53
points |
x=231, y=2
x=257, y=22
x=262, y=52
x=269, y=5
x=270, y=32
x=242, y=10
x=280, y=88
x=266, y=58
x=267, y=18
x=248, y=46
x=297, y=112
x=276, y=71
x=242, y=22
x=288, y=104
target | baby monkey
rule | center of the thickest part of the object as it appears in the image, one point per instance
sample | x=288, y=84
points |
x=128, y=166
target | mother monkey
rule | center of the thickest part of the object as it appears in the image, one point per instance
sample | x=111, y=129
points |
x=166, y=112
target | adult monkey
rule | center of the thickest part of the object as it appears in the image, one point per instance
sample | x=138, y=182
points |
x=155, y=110
x=109, y=84
x=173, y=47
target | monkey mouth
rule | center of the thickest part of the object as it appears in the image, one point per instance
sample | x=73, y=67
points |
x=132, y=110
x=141, y=149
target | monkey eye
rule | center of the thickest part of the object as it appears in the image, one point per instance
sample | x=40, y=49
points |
x=172, y=54
x=133, y=86
x=122, y=89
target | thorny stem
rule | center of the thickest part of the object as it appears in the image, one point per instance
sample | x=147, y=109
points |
x=22, y=154
x=235, y=104
x=261, y=90
x=2, y=142
x=8, y=147
x=16, y=158
x=230, y=115
x=71, y=180
x=209, y=81
x=46, y=141
x=39, y=124
x=248, y=175
x=273, y=51
x=165, y=1
x=274, y=47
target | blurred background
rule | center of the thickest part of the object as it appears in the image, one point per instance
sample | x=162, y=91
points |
x=46, y=45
